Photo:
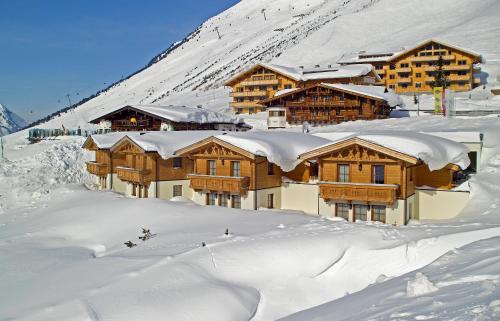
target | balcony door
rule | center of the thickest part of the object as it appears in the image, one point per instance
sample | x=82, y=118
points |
x=343, y=173
x=378, y=174
x=212, y=167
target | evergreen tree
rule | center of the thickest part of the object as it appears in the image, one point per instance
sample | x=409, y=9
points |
x=439, y=76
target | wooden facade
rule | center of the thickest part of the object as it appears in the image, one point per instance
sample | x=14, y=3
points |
x=133, y=118
x=413, y=70
x=261, y=82
x=323, y=104
x=355, y=171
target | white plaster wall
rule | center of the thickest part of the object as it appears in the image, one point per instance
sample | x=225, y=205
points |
x=247, y=201
x=395, y=214
x=301, y=197
x=262, y=197
x=476, y=147
x=166, y=189
x=440, y=204
x=199, y=198
x=326, y=208
x=119, y=185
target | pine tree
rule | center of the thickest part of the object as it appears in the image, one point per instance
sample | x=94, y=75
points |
x=439, y=76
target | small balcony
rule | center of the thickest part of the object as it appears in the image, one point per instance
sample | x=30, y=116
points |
x=228, y=184
x=98, y=169
x=432, y=58
x=377, y=193
x=261, y=80
x=255, y=93
x=403, y=70
x=459, y=78
x=245, y=104
x=132, y=175
x=406, y=80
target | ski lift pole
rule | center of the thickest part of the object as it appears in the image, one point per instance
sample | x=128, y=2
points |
x=1, y=147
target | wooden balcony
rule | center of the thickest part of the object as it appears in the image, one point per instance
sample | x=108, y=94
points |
x=458, y=78
x=98, y=169
x=237, y=185
x=449, y=68
x=380, y=71
x=376, y=193
x=432, y=58
x=256, y=93
x=245, y=104
x=260, y=81
x=403, y=70
x=132, y=175
x=477, y=81
x=406, y=80
x=320, y=103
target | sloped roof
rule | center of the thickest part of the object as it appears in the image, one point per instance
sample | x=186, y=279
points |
x=178, y=114
x=428, y=41
x=434, y=151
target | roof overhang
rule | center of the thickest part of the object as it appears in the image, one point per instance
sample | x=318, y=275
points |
x=428, y=41
x=335, y=146
x=185, y=151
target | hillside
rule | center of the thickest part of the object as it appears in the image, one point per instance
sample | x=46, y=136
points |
x=305, y=32
x=9, y=121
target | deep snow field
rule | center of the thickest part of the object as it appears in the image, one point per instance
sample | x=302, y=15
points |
x=63, y=258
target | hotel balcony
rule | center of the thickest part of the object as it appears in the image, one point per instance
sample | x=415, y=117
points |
x=377, y=193
x=98, y=169
x=458, y=78
x=477, y=81
x=406, y=80
x=432, y=58
x=260, y=80
x=246, y=104
x=228, y=184
x=256, y=93
x=403, y=70
x=449, y=68
x=132, y=175
x=380, y=71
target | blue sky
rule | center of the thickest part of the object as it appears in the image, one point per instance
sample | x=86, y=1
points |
x=49, y=48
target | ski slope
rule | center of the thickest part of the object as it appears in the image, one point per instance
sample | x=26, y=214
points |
x=300, y=32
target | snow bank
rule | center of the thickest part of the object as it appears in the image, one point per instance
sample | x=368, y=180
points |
x=420, y=285
x=281, y=148
x=434, y=151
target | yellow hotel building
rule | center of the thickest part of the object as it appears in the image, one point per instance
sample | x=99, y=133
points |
x=412, y=70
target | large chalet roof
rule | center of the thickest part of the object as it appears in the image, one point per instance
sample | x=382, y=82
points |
x=373, y=92
x=436, y=152
x=369, y=57
x=103, y=141
x=280, y=148
x=177, y=114
x=300, y=74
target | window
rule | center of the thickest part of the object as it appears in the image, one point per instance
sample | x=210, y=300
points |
x=177, y=190
x=275, y=87
x=378, y=174
x=418, y=75
x=418, y=64
x=418, y=85
x=235, y=169
x=211, y=198
x=343, y=173
x=360, y=212
x=236, y=201
x=342, y=210
x=270, y=168
x=392, y=77
x=462, y=62
x=212, y=168
x=404, y=85
x=378, y=213
x=223, y=199
x=177, y=162
x=288, y=86
x=392, y=67
x=462, y=73
x=270, y=200
x=392, y=86
x=405, y=65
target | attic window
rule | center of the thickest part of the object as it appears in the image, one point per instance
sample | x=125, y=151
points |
x=177, y=162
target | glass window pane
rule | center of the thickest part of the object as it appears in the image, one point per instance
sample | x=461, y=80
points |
x=360, y=212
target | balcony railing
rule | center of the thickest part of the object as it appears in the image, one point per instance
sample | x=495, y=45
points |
x=459, y=78
x=256, y=93
x=98, y=169
x=406, y=80
x=377, y=193
x=432, y=58
x=238, y=185
x=321, y=103
x=128, y=123
x=260, y=81
x=138, y=176
x=477, y=80
x=448, y=68
x=245, y=104
x=403, y=70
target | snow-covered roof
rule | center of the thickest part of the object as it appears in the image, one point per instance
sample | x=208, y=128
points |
x=281, y=148
x=106, y=141
x=181, y=114
x=461, y=137
x=165, y=143
x=284, y=91
x=390, y=97
x=436, y=152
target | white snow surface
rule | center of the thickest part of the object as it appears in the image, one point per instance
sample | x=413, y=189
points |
x=280, y=148
x=331, y=72
x=435, y=151
x=63, y=256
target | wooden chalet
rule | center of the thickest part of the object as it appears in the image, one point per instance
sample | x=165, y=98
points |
x=262, y=81
x=364, y=180
x=412, y=70
x=334, y=103
x=167, y=118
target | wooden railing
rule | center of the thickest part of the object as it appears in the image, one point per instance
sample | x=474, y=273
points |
x=98, y=169
x=320, y=103
x=379, y=193
x=254, y=93
x=259, y=82
x=128, y=123
x=228, y=184
x=138, y=176
x=245, y=104
x=404, y=80
x=432, y=58
x=403, y=70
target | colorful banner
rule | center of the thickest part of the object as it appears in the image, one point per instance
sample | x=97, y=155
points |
x=438, y=100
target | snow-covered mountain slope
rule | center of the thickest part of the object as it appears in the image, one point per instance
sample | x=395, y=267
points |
x=294, y=32
x=9, y=121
